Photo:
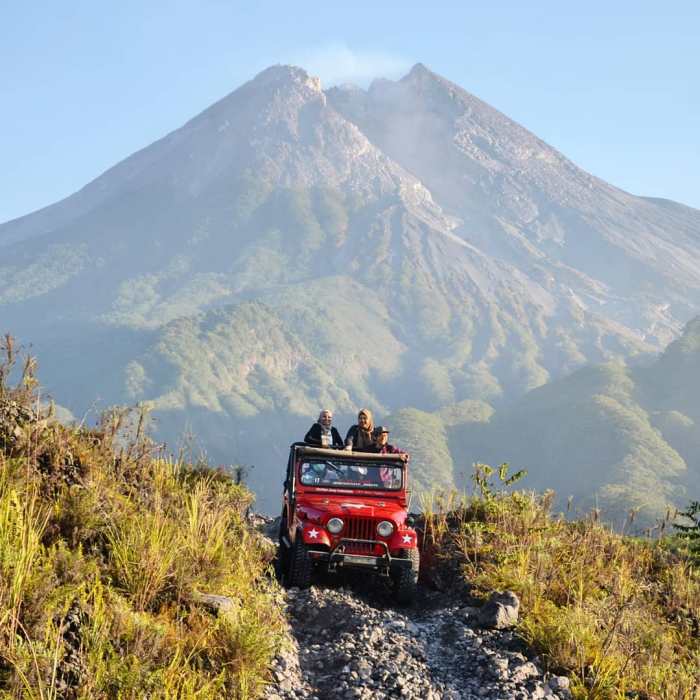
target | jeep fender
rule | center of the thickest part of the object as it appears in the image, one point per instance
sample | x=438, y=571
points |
x=313, y=534
x=403, y=539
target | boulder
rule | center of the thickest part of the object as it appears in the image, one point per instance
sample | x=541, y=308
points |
x=560, y=685
x=524, y=672
x=500, y=611
x=218, y=604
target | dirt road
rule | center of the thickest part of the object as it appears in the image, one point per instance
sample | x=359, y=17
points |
x=350, y=641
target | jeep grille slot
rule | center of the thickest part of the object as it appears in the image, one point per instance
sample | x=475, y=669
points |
x=360, y=529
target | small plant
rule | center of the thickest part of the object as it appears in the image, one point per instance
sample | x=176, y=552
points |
x=689, y=531
x=486, y=486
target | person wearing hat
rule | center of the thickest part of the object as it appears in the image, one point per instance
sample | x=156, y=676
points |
x=381, y=442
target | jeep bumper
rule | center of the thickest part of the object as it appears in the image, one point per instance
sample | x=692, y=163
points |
x=339, y=557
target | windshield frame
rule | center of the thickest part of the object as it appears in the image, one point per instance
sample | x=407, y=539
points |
x=351, y=486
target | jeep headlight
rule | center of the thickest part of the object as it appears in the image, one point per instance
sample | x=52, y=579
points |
x=385, y=528
x=334, y=525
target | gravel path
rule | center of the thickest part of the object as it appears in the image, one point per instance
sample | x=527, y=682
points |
x=353, y=643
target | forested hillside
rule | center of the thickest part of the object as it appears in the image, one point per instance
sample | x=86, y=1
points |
x=612, y=435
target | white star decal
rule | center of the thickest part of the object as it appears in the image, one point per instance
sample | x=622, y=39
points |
x=407, y=539
x=313, y=533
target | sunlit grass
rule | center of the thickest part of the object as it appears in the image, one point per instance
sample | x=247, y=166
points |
x=620, y=615
x=104, y=548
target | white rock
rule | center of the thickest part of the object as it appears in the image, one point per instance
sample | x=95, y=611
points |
x=524, y=672
x=557, y=683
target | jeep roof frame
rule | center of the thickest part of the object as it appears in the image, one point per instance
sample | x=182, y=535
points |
x=301, y=449
x=308, y=451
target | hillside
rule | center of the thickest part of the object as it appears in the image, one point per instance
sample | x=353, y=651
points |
x=123, y=573
x=613, y=435
x=290, y=247
x=618, y=615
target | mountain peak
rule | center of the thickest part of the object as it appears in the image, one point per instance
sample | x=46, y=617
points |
x=281, y=74
x=418, y=70
x=420, y=73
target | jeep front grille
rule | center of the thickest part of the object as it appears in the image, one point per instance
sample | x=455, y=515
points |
x=359, y=529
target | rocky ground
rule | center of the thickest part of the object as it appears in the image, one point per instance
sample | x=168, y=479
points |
x=350, y=641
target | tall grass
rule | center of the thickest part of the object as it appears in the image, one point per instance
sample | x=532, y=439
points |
x=105, y=548
x=620, y=615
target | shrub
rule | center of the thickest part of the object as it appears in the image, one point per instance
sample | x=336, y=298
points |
x=689, y=529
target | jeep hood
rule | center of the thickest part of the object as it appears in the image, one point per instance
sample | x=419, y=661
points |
x=349, y=505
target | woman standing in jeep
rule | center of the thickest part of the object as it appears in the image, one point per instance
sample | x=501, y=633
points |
x=359, y=436
x=322, y=433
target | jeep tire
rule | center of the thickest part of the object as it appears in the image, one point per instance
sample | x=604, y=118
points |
x=282, y=562
x=406, y=578
x=299, y=565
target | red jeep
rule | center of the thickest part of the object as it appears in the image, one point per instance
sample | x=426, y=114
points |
x=348, y=509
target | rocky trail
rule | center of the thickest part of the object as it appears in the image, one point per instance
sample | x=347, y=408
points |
x=347, y=639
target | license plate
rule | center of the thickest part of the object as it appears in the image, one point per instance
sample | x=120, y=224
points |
x=371, y=561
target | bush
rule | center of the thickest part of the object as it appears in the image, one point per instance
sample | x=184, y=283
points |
x=689, y=529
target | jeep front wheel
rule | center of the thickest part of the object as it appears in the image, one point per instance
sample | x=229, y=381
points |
x=299, y=565
x=406, y=578
x=282, y=563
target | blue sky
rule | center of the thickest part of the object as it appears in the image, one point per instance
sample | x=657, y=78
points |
x=614, y=86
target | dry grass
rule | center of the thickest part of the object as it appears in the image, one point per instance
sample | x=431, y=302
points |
x=104, y=544
x=620, y=615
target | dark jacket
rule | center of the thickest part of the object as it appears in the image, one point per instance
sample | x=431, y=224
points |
x=313, y=437
x=385, y=450
x=352, y=435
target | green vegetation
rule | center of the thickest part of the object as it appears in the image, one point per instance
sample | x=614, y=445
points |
x=106, y=550
x=145, y=302
x=263, y=303
x=611, y=436
x=50, y=270
x=246, y=360
x=689, y=529
x=619, y=615
x=423, y=436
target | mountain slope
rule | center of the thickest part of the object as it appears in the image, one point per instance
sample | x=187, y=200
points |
x=290, y=247
x=631, y=260
x=612, y=435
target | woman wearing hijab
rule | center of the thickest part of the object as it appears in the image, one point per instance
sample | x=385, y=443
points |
x=323, y=433
x=359, y=437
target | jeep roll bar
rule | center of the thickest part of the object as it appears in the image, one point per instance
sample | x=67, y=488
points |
x=303, y=450
x=289, y=482
x=308, y=451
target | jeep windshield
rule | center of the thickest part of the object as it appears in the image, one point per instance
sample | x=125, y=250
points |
x=349, y=474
